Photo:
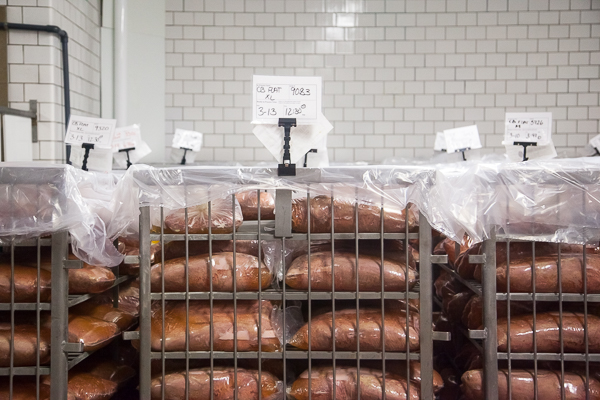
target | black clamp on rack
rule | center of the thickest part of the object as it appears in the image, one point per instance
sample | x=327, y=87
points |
x=287, y=168
x=597, y=153
x=525, y=145
x=87, y=147
x=306, y=156
x=185, y=150
x=127, y=152
x=463, y=152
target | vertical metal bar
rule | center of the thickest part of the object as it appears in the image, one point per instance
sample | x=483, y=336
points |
x=59, y=315
x=490, y=319
x=162, y=300
x=283, y=305
x=234, y=273
x=12, y=321
x=585, y=324
x=211, y=299
x=508, y=342
x=382, y=272
x=560, y=324
x=357, y=331
x=535, y=363
x=333, y=293
x=308, y=214
x=145, y=305
x=425, y=307
x=187, y=307
x=259, y=383
x=37, y=319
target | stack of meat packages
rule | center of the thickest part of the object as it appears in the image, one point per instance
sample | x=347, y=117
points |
x=401, y=328
x=557, y=267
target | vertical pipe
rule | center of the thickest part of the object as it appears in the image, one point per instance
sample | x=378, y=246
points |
x=120, y=59
x=145, y=303
x=59, y=315
x=490, y=319
x=425, y=297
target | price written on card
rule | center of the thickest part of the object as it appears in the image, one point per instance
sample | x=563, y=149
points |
x=189, y=140
x=461, y=139
x=96, y=131
x=126, y=138
x=528, y=128
x=277, y=97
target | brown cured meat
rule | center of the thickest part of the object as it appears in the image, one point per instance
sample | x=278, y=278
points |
x=221, y=218
x=25, y=389
x=522, y=385
x=107, y=313
x=223, y=385
x=547, y=333
x=346, y=385
x=90, y=279
x=176, y=249
x=26, y=345
x=85, y=386
x=92, y=332
x=199, y=326
x=131, y=247
x=26, y=284
x=369, y=217
x=249, y=204
x=369, y=273
x=370, y=331
x=448, y=246
x=247, y=273
x=113, y=372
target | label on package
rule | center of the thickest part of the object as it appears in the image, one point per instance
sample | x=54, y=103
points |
x=275, y=97
x=190, y=140
x=128, y=137
x=461, y=139
x=96, y=131
x=528, y=128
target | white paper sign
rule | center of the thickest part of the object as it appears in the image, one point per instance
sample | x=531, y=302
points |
x=275, y=97
x=187, y=140
x=595, y=142
x=463, y=138
x=126, y=138
x=440, y=142
x=528, y=127
x=97, y=131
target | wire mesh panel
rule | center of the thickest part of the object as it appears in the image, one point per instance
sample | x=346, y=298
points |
x=327, y=291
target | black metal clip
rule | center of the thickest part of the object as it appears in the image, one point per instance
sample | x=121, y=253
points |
x=185, y=150
x=525, y=145
x=597, y=153
x=87, y=147
x=287, y=168
x=463, y=152
x=127, y=152
x=306, y=156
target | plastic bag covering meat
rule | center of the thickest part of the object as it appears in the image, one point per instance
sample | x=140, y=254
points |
x=176, y=249
x=369, y=216
x=223, y=385
x=369, y=273
x=249, y=204
x=547, y=328
x=129, y=297
x=223, y=326
x=92, y=332
x=26, y=345
x=113, y=372
x=105, y=312
x=24, y=388
x=546, y=267
x=522, y=385
x=369, y=331
x=221, y=218
x=199, y=267
x=25, y=284
x=346, y=385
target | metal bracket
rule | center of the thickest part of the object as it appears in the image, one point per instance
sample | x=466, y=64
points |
x=442, y=336
x=132, y=260
x=72, y=347
x=439, y=259
x=478, y=334
x=477, y=258
x=72, y=264
x=131, y=335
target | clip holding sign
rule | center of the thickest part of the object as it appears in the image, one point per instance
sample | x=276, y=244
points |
x=127, y=150
x=463, y=152
x=87, y=147
x=287, y=168
x=185, y=150
x=306, y=156
x=525, y=145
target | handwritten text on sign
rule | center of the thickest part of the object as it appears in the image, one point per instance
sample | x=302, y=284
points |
x=97, y=131
x=126, y=138
x=189, y=140
x=277, y=97
x=461, y=139
x=528, y=127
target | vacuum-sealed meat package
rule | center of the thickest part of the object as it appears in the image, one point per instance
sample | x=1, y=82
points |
x=223, y=385
x=26, y=345
x=221, y=218
x=369, y=216
x=199, y=267
x=369, y=273
x=107, y=313
x=523, y=381
x=222, y=328
x=92, y=332
x=177, y=249
x=249, y=204
x=369, y=331
x=25, y=283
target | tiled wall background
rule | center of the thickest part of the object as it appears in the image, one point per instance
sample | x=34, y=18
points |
x=394, y=71
x=35, y=65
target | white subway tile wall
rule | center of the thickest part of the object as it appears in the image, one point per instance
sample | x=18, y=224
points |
x=394, y=72
x=35, y=65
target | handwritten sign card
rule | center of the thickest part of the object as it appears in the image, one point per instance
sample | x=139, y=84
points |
x=275, y=97
x=96, y=131
x=187, y=140
x=528, y=128
x=126, y=138
x=463, y=138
